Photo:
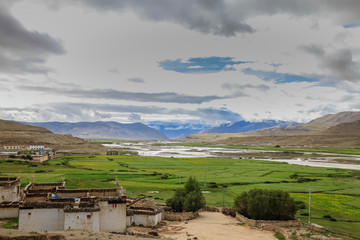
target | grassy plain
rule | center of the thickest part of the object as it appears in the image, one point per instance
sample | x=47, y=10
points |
x=335, y=192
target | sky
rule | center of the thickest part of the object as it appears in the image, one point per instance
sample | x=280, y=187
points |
x=189, y=61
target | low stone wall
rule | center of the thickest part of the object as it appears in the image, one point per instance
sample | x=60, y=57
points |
x=210, y=209
x=275, y=226
x=229, y=211
x=180, y=216
x=262, y=223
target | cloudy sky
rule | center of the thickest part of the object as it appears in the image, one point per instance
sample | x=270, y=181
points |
x=200, y=61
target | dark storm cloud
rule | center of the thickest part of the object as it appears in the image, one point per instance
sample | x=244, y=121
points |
x=205, y=16
x=221, y=17
x=22, y=50
x=166, y=97
x=339, y=64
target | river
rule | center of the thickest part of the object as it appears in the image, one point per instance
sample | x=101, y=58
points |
x=154, y=149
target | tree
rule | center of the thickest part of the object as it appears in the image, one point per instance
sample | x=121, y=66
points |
x=194, y=201
x=189, y=199
x=266, y=204
x=192, y=185
x=176, y=202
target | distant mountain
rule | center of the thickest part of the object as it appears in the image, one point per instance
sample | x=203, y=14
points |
x=340, y=130
x=245, y=126
x=103, y=130
x=316, y=125
x=174, y=130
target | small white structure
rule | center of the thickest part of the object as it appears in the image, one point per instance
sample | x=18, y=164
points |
x=9, y=147
x=36, y=147
x=142, y=212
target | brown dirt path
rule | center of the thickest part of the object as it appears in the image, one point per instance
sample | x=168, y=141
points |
x=213, y=225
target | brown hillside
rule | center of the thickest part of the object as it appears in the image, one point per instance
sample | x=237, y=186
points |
x=343, y=129
x=14, y=126
x=315, y=125
x=12, y=133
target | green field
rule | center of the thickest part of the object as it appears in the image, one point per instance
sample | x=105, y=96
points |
x=335, y=192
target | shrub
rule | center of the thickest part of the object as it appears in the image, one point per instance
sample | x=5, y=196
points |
x=189, y=199
x=266, y=204
x=176, y=202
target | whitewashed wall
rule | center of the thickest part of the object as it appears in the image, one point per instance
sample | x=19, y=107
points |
x=41, y=219
x=82, y=220
x=9, y=194
x=146, y=220
x=7, y=212
x=112, y=217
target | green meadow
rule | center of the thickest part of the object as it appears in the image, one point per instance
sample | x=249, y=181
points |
x=335, y=192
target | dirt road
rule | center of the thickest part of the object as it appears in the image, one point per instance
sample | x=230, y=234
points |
x=213, y=225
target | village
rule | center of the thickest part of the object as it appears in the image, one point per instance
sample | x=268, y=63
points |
x=36, y=153
x=52, y=207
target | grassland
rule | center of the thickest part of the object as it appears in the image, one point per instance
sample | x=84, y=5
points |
x=335, y=192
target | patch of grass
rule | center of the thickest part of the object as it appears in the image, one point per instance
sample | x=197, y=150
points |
x=11, y=224
x=279, y=236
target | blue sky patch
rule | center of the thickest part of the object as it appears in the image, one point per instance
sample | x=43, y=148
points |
x=279, y=77
x=352, y=25
x=200, y=65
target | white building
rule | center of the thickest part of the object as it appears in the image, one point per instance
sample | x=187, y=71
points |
x=36, y=147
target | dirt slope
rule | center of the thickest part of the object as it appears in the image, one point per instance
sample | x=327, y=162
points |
x=315, y=125
x=12, y=133
x=343, y=129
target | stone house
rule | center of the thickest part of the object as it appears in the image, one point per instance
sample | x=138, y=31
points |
x=52, y=207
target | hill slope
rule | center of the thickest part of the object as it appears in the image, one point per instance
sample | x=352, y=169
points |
x=343, y=129
x=103, y=130
x=316, y=125
x=13, y=133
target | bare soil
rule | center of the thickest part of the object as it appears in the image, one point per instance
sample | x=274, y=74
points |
x=209, y=225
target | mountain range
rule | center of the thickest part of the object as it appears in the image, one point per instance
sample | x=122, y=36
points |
x=332, y=130
x=245, y=126
x=103, y=130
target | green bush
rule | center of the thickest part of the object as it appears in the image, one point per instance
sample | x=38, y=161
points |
x=176, y=202
x=189, y=199
x=266, y=204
